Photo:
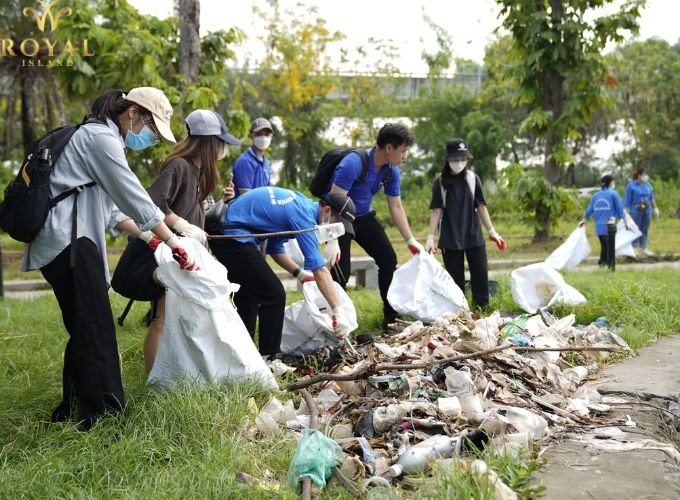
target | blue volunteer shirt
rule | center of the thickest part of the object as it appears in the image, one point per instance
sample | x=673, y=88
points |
x=637, y=193
x=271, y=210
x=348, y=171
x=250, y=172
x=604, y=205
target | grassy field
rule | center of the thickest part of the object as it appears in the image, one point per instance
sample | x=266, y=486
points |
x=193, y=441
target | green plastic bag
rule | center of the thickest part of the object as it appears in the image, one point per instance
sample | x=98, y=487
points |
x=316, y=457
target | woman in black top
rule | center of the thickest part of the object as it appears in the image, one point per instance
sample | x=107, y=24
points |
x=188, y=176
x=458, y=206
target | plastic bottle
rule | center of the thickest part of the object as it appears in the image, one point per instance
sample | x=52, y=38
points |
x=417, y=458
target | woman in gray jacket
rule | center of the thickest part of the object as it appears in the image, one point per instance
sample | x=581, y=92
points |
x=96, y=154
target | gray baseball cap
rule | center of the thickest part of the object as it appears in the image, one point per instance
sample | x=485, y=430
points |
x=207, y=122
x=259, y=124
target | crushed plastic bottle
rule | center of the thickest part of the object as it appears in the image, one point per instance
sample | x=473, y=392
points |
x=417, y=458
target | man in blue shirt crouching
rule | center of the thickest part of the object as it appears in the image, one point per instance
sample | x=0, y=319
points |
x=261, y=296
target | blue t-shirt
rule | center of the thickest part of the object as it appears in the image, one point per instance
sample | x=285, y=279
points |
x=636, y=193
x=271, y=210
x=250, y=172
x=603, y=206
x=347, y=173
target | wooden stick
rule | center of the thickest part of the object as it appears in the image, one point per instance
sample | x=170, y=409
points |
x=371, y=369
x=313, y=414
x=258, y=235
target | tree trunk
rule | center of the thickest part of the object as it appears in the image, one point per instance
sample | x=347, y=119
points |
x=10, y=115
x=290, y=161
x=28, y=133
x=57, y=99
x=190, y=40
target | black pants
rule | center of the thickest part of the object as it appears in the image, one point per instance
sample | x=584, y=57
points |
x=371, y=236
x=261, y=293
x=479, y=272
x=608, y=249
x=91, y=365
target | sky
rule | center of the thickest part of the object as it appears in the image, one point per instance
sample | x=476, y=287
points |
x=470, y=23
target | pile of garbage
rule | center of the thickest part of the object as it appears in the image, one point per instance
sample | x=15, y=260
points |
x=433, y=394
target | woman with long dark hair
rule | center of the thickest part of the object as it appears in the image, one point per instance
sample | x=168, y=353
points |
x=78, y=272
x=458, y=206
x=187, y=177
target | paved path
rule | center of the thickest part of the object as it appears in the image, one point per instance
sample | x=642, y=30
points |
x=580, y=470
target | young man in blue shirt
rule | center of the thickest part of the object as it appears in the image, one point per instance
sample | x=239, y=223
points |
x=606, y=207
x=390, y=151
x=639, y=201
x=251, y=169
x=270, y=210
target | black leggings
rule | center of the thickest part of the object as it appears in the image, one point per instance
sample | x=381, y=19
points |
x=91, y=373
x=371, y=236
x=479, y=272
x=261, y=294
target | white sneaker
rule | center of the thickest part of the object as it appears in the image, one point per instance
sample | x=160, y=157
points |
x=647, y=252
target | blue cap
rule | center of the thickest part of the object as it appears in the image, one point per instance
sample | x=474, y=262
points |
x=207, y=122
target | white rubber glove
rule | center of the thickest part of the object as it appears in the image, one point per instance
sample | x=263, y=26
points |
x=150, y=239
x=331, y=253
x=189, y=230
x=414, y=246
x=656, y=212
x=184, y=256
x=303, y=276
x=340, y=324
x=429, y=244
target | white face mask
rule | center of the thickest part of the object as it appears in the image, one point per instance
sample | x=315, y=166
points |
x=262, y=142
x=645, y=178
x=223, y=154
x=457, y=166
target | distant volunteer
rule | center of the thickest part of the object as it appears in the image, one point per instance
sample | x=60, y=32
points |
x=459, y=210
x=384, y=159
x=261, y=296
x=605, y=207
x=251, y=168
x=187, y=177
x=640, y=202
x=96, y=153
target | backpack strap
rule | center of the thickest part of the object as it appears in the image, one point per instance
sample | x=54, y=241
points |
x=365, y=161
x=471, y=181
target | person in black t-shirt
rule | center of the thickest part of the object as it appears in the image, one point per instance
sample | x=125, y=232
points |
x=458, y=206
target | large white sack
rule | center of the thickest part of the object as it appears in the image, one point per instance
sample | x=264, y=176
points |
x=422, y=288
x=308, y=323
x=625, y=237
x=292, y=248
x=570, y=253
x=203, y=338
x=539, y=286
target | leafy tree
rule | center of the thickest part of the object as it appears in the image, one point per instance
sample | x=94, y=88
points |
x=131, y=50
x=296, y=77
x=647, y=77
x=559, y=69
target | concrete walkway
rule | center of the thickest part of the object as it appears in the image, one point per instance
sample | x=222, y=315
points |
x=588, y=469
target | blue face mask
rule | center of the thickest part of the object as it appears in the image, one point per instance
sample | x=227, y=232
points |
x=145, y=139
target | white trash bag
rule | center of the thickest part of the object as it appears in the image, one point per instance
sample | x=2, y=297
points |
x=570, y=253
x=625, y=237
x=539, y=286
x=203, y=338
x=292, y=248
x=308, y=323
x=422, y=288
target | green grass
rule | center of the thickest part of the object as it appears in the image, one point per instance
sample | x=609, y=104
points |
x=192, y=441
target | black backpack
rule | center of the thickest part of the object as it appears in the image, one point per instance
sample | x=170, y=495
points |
x=329, y=162
x=27, y=200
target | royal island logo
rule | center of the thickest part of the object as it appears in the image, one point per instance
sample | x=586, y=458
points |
x=45, y=51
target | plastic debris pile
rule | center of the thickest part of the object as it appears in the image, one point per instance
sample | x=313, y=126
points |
x=423, y=410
